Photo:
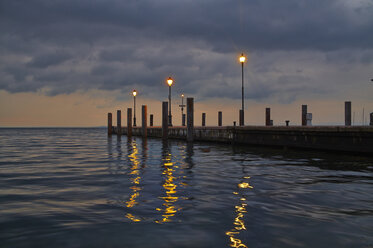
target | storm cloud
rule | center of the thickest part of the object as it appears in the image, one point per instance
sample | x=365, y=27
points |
x=61, y=46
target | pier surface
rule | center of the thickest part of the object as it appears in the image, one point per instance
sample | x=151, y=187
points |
x=329, y=138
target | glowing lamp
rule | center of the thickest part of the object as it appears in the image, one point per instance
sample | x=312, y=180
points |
x=242, y=58
x=134, y=92
x=170, y=81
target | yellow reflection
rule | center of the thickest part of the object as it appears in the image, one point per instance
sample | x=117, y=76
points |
x=244, y=185
x=135, y=180
x=239, y=222
x=169, y=209
x=133, y=218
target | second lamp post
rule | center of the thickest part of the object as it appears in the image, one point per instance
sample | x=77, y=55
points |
x=242, y=115
x=134, y=93
x=169, y=82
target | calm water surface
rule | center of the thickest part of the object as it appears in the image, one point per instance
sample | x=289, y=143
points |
x=79, y=188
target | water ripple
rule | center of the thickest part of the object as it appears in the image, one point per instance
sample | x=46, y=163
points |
x=79, y=188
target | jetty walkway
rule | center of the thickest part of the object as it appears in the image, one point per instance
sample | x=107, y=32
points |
x=351, y=139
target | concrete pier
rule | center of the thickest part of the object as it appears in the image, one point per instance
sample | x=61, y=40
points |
x=268, y=117
x=328, y=138
x=129, y=122
x=332, y=138
x=348, y=113
x=109, y=124
x=304, y=115
x=190, y=119
x=220, y=118
x=165, y=119
x=144, y=120
x=119, y=120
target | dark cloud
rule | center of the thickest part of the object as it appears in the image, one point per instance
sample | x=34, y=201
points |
x=49, y=59
x=69, y=45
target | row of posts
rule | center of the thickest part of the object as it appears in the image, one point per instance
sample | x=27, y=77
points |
x=306, y=119
x=165, y=120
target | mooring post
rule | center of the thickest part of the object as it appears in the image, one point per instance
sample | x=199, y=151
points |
x=304, y=115
x=348, y=113
x=151, y=120
x=119, y=122
x=183, y=120
x=109, y=124
x=241, y=118
x=203, y=119
x=287, y=122
x=144, y=118
x=129, y=122
x=371, y=119
x=164, y=120
x=220, y=118
x=268, y=116
x=190, y=118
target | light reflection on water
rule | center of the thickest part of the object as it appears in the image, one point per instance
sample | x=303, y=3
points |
x=169, y=208
x=240, y=209
x=134, y=163
x=79, y=188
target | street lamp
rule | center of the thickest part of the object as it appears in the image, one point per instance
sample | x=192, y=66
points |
x=169, y=82
x=134, y=93
x=182, y=110
x=242, y=115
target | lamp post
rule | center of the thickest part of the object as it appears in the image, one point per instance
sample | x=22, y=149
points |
x=242, y=115
x=134, y=93
x=169, y=82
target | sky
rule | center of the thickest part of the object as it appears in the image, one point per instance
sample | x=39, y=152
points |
x=70, y=62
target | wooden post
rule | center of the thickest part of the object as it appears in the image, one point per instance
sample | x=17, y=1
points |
x=304, y=115
x=268, y=116
x=151, y=120
x=183, y=120
x=119, y=122
x=164, y=120
x=144, y=121
x=129, y=122
x=220, y=118
x=203, y=119
x=348, y=113
x=190, y=119
x=241, y=118
x=109, y=124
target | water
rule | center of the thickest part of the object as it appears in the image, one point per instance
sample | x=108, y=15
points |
x=79, y=188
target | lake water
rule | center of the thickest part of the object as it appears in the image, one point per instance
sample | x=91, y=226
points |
x=63, y=187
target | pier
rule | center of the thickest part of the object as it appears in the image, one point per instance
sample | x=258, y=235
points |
x=347, y=138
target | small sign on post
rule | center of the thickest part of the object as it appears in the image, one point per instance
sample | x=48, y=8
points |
x=309, y=119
